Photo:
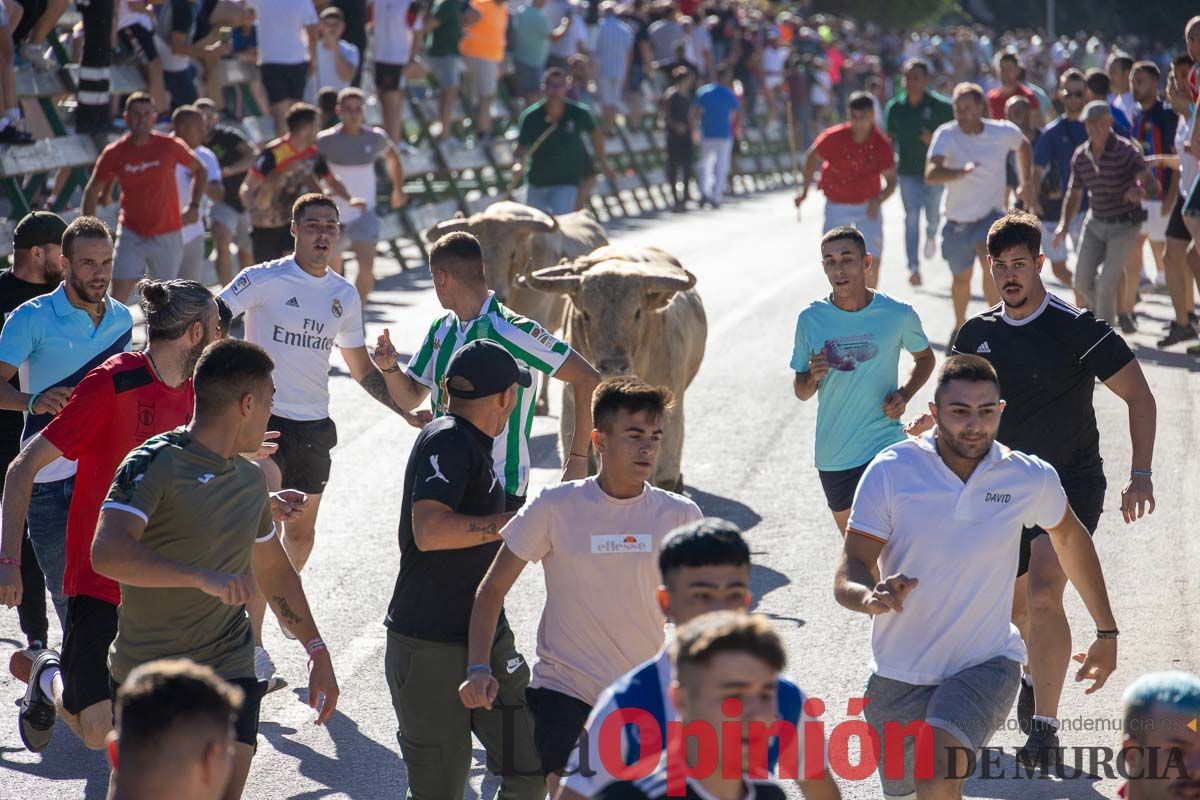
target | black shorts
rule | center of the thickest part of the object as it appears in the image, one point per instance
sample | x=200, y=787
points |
x=32, y=10
x=269, y=244
x=140, y=41
x=558, y=719
x=1175, y=227
x=303, y=456
x=839, y=486
x=91, y=628
x=284, y=81
x=680, y=149
x=245, y=727
x=1086, y=496
x=388, y=77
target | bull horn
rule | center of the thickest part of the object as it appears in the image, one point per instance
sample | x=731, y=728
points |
x=563, y=279
x=669, y=283
x=457, y=223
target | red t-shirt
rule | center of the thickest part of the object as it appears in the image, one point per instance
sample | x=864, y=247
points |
x=149, y=199
x=116, y=407
x=851, y=171
x=998, y=98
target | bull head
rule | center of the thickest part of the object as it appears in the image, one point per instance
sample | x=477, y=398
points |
x=562, y=279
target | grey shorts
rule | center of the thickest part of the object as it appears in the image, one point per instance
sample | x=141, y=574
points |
x=192, y=266
x=484, y=76
x=959, y=240
x=138, y=256
x=236, y=222
x=363, y=229
x=529, y=78
x=445, y=70
x=970, y=705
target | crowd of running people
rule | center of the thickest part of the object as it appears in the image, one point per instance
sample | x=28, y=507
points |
x=168, y=498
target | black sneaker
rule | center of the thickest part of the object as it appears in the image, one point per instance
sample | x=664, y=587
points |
x=1176, y=334
x=14, y=135
x=1025, y=708
x=37, y=711
x=1041, y=749
x=1127, y=323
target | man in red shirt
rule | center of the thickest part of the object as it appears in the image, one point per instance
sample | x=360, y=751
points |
x=142, y=163
x=853, y=157
x=115, y=408
x=1008, y=67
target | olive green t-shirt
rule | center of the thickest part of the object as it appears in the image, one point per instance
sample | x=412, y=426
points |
x=203, y=510
x=443, y=40
x=560, y=158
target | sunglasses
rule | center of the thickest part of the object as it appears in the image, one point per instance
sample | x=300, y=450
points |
x=1073, y=95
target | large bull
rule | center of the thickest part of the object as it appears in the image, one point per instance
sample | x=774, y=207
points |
x=633, y=311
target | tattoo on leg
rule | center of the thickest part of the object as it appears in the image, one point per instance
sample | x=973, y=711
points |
x=285, y=611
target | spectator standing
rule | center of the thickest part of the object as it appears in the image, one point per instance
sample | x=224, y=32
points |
x=444, y=22
x=142, y=163
x=36, y=270
x=230, y=222
x=1181, y=260
x=614, y=53
x=550, y=137
x=564, y=14
x=530, y=47
x=640, y=64
x=910, y=119
x=175, y=32
x=1120, y=69
x=338, y=60
x=717, y=111
x=1114, y=173
x=1098, y=90
x=288, y=34
x=354, y=15
x=665, y=33
x=188, y=125
x=1008, y=67
x=681, y=131
x=482, y=48
x=1052, y=155
x=397, y=26
x=351, y=149
x=854, y=156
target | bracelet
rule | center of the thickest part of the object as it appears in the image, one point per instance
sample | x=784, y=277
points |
x=479, y=668
x=9, y=562
x=1141, y=473
x=395, y=368
x=1109, y=634
x=314, y=645
x=32, y=399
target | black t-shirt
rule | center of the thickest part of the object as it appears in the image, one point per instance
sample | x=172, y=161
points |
x=451, y=462
x=225, y=144
x=1048, y=364
x=641, y=33
x=679, y=110
x=14, y=292
x=355, y=14
x=654, y=787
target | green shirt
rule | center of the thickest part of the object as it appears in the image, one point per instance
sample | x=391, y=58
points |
x=530, y=44
x=530, y=344
x=560, y=158
x=905, y=123
x=443, y=40
x=202, y=510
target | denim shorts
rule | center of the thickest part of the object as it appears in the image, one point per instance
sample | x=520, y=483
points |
x=970, y=705
x=445, y=70
x=959, y=240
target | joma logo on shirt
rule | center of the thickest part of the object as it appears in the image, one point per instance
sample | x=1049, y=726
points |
x=994, y=497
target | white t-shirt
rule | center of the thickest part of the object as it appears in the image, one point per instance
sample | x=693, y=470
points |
x=773, y=59
x=962, y=542
x=393, y=36
x=1188, y=165
x=297, y=318
x=327, y=74
x=183, y=182
x=978, y=194
x=282, y=30
x=600, y=558
x=127, y=17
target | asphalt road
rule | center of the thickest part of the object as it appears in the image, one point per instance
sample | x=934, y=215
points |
x=748, y=458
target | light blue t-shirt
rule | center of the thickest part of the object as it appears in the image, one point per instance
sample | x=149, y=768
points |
x=863, y=349
x=53, y=343
x=717, y=104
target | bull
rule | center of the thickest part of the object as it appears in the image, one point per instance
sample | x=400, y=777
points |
x=633, y=311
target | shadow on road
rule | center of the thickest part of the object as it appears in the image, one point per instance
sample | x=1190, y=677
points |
x=1166, y=358
x=713, y=505
x=1007, y=780
x=66, y=759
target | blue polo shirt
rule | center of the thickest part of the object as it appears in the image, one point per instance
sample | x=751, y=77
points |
x=1053, y=152
x=717, y=105
x=53, y=343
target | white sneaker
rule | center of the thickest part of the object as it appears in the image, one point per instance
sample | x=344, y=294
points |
x=35, y=54
x=930, y=248
x=264, y=670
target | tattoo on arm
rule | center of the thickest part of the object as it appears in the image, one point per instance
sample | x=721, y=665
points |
x=374, y=385
x=483, y=529
x=285, y=611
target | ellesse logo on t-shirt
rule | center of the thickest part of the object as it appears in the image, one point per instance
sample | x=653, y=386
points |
x=622, y=543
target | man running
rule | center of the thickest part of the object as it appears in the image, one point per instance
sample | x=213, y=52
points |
x=846, y=352
x=36, y=270
x=298, y=309
x=703, y=567
x=970, y=156
x=55, y=340
x=452, y=511
x=1052, y=155
x=186, y=522
x=1049, y=355
x=600, y=618
x=350, y=150
x=460, y=281
x=1160, y=747
x=854, y=156
x=115, y=408
x=174, y=734
x=951, y=661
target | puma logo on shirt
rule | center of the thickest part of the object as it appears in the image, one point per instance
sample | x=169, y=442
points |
x=437, y=471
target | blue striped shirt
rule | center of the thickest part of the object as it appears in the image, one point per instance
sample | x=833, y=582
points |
x=614, y=40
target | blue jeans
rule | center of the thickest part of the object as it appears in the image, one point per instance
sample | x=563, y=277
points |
x=916, y=194
x=554, y=200
x=47, y=521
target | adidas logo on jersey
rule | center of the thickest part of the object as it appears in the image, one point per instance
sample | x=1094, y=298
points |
x=983, y=348
x=293, y=303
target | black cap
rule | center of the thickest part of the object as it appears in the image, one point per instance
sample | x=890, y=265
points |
x=487, y=368
x=38, y=229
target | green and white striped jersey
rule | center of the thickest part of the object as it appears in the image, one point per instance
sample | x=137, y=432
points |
x=529, y=343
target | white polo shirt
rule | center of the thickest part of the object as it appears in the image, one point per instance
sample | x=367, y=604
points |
x=961, y=541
